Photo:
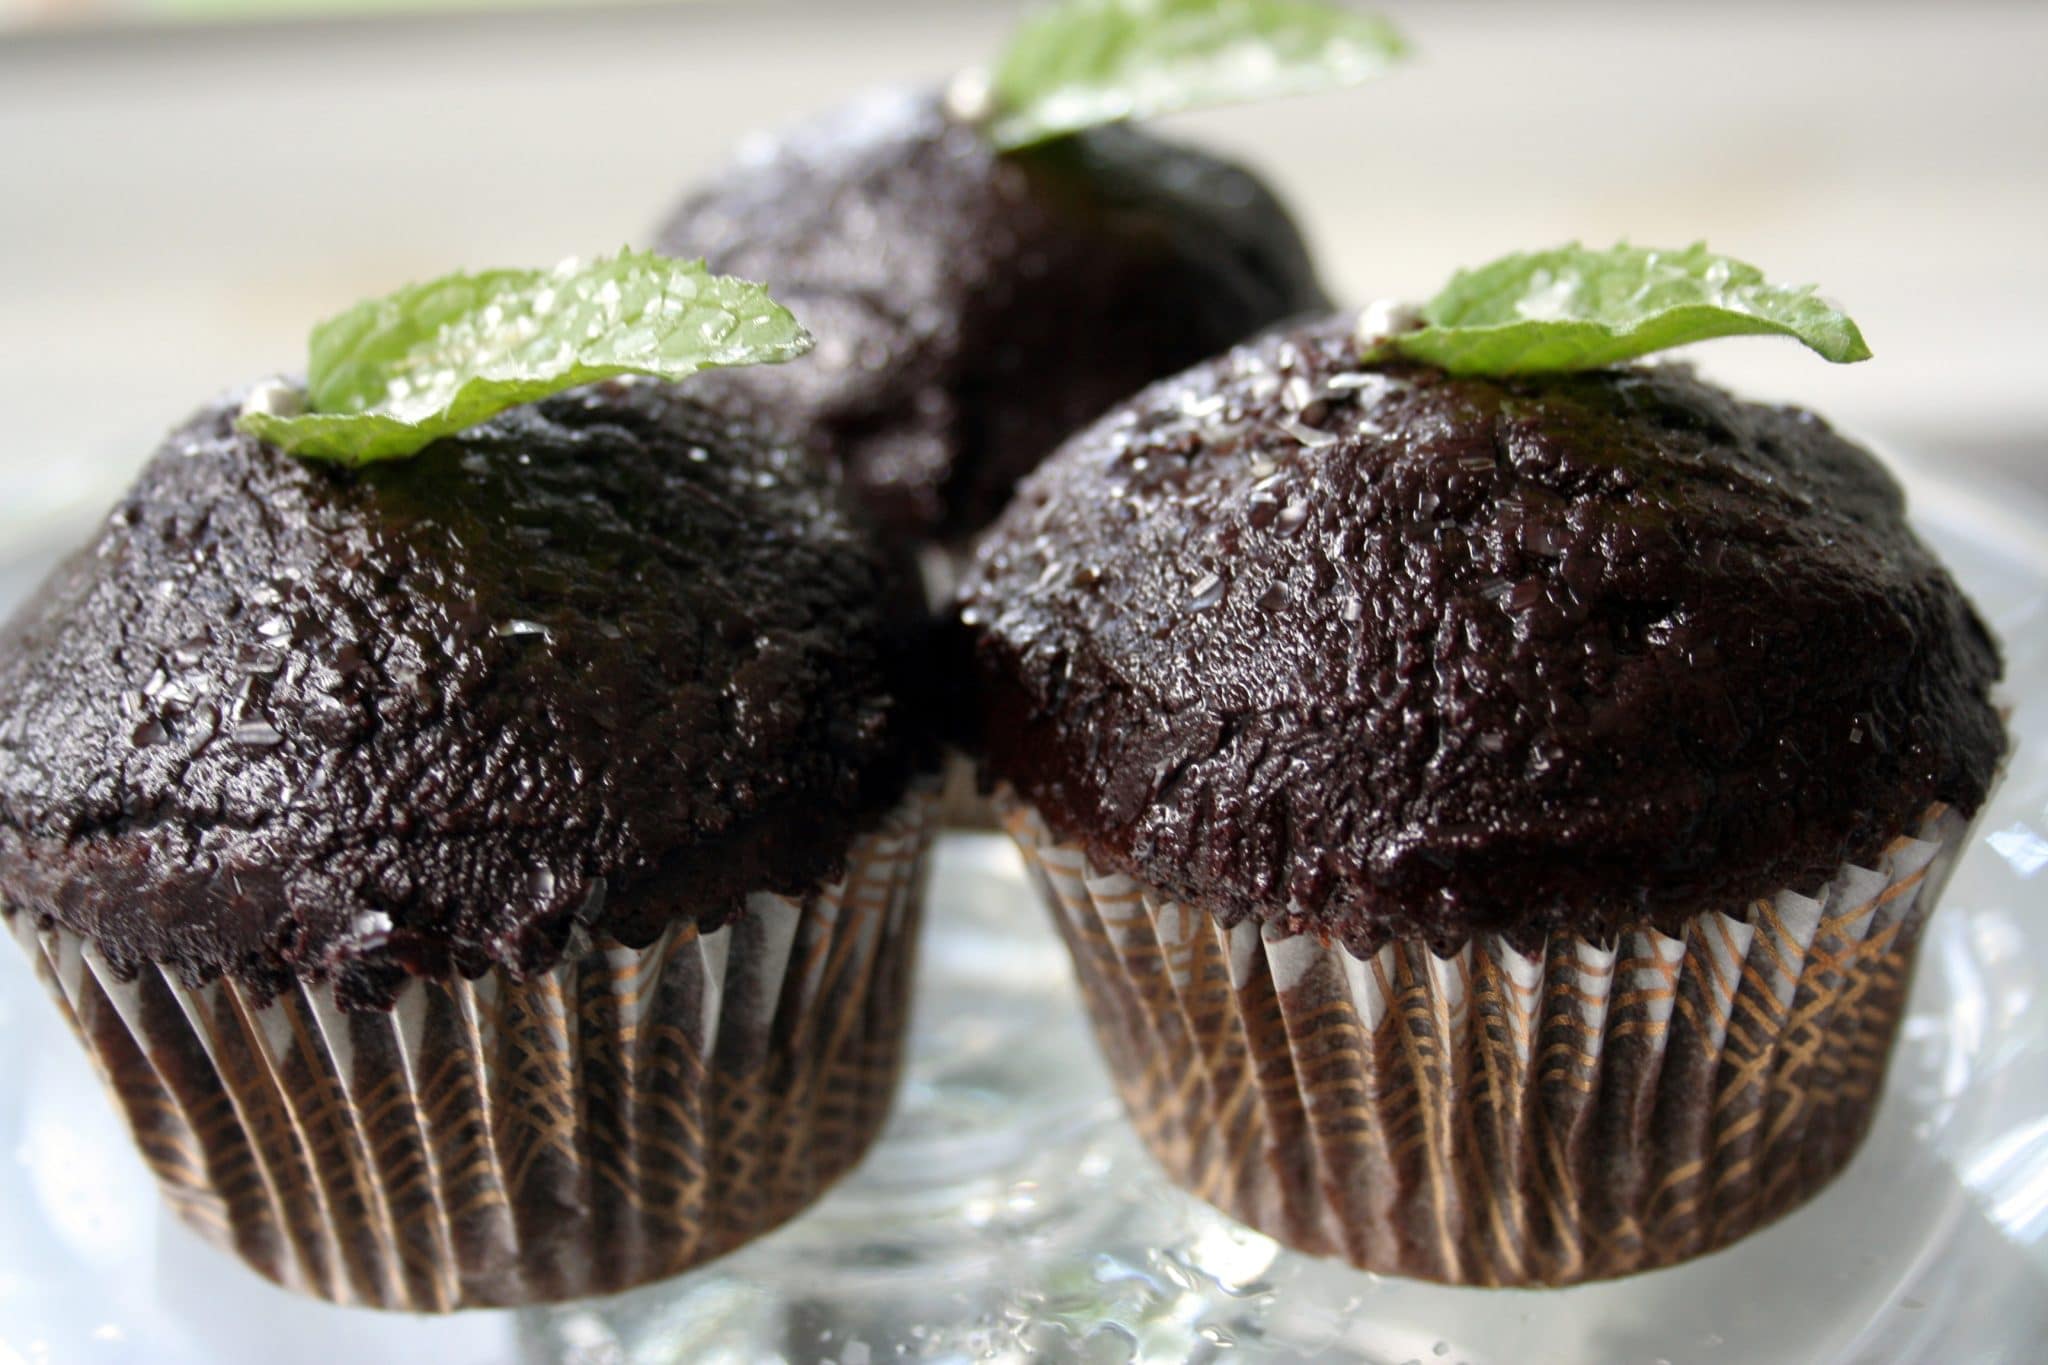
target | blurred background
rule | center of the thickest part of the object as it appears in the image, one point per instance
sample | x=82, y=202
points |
x=185, y=185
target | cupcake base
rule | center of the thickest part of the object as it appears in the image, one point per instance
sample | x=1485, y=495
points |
x=1500, y=1118
x=491, y=1143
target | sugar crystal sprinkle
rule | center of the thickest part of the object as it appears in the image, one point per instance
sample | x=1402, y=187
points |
x=1307, y=435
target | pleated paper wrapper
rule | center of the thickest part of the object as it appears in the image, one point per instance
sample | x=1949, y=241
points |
x=624, y=1117
x=1496, y=1117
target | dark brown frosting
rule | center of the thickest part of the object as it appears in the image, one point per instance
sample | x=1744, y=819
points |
x=605, y=661
x=973, y=309
x=1391, y=654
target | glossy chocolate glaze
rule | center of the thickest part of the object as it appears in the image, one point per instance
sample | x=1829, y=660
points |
x=973, y=310
x=599, y=663
x=1392, y=654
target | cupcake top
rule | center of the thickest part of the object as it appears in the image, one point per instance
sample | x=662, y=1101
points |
x=598, y=664
x=1377, y=652
x=974, y=308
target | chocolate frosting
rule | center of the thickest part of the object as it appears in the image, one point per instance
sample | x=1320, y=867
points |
x=599, y=663
x=975, y=309
x=1391, y=654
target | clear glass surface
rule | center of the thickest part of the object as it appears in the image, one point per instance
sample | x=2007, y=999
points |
x=1009, y=1215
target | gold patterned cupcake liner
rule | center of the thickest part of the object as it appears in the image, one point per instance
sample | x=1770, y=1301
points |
x=1498, y=1117
x=624, y=1117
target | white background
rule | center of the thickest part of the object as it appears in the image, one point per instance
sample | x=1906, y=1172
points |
x=176, y=206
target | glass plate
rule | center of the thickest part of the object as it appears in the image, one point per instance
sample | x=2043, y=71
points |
x=1009, y=1215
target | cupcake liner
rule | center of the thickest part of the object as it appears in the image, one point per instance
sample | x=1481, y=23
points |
x=626, y=1116
x=1496, y=1117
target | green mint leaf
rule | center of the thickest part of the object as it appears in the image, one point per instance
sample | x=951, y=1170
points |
x=1580, y=309
x=392, y=374
x=1081, y=63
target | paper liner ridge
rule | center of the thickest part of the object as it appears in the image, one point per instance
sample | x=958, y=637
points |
x=1496, y=1117
x=485, y=1143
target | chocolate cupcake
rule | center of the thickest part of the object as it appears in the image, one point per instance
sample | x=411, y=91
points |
x=1492, y=816
x=485, y=877
x=976, y=307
